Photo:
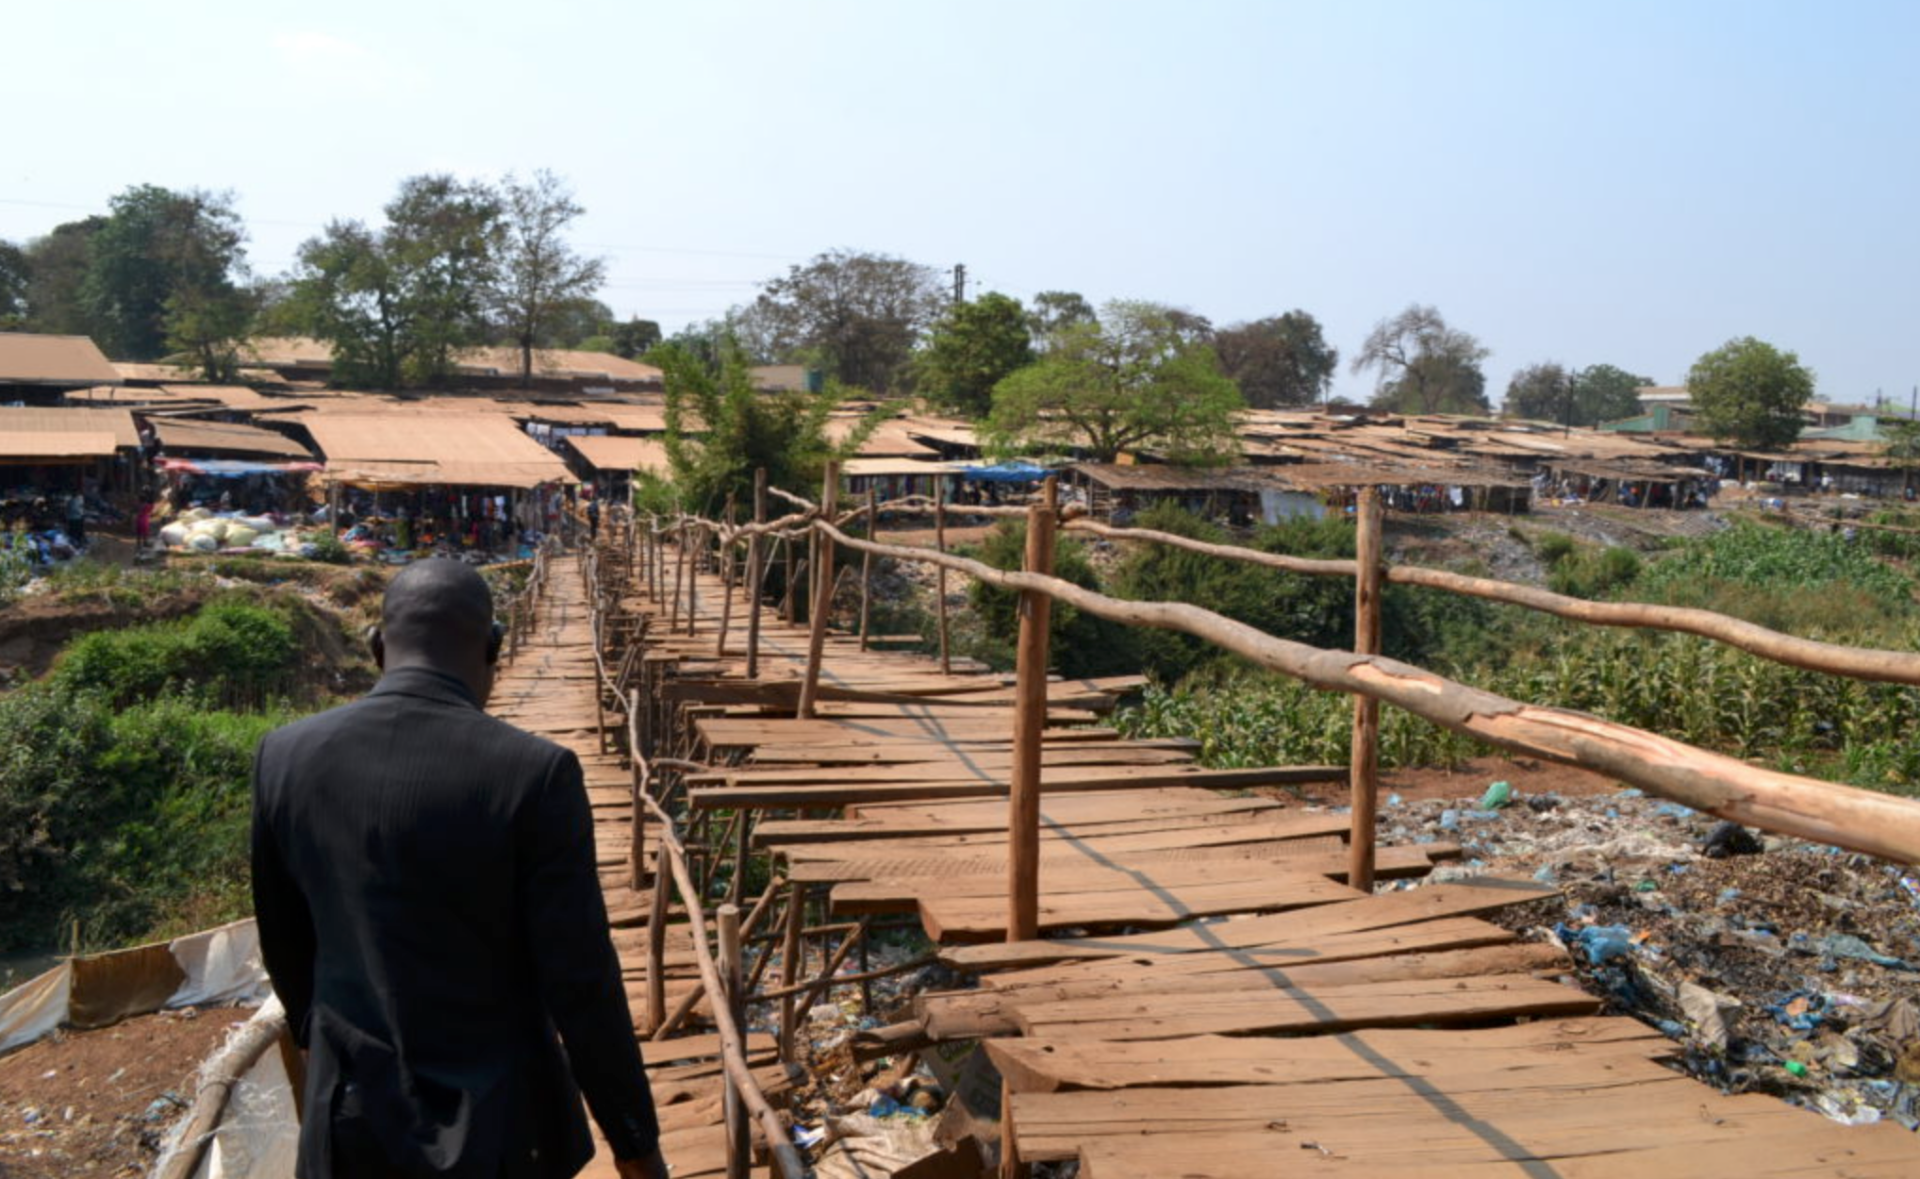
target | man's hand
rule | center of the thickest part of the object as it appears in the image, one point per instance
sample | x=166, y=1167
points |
x=651, y=1167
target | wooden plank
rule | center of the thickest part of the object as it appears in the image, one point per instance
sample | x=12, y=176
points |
x=1455, y=898
x=1396, y=1003
x=1043, y=1066
x=974, y=918
x=1063, y=779
x=1674, y=1127
x=918, y=862
x=783, y=832
x=1092, y=846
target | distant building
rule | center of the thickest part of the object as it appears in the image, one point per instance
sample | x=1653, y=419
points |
x=40, y=370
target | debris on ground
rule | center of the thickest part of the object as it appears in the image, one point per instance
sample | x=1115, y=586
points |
x=1783, y=967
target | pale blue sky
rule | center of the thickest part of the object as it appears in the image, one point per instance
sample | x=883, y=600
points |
x=1624, y=182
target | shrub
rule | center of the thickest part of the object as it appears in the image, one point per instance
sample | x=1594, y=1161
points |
x=230, y=650
x=1078, y=644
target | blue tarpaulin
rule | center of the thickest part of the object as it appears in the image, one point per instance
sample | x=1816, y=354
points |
x=1004, y=473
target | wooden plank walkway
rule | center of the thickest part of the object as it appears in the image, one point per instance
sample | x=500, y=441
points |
x=548, y=689
x=1212, y=1001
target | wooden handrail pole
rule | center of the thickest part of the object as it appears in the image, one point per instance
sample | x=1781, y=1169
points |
x=940, y=588
x=790, y=966
x=1029, y=721
x=726, y=583
x=1364, y=764
x=866, y=562
x=754, y=573
x=733, y=978
x=699, y=534
x=822, y=607
x=657, y=933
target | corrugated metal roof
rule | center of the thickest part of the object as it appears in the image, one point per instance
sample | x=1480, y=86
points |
x=30, y=359
x=180, y=436
x=612, y=452
x=66, y=419
x=54, y=444
x=482, y=449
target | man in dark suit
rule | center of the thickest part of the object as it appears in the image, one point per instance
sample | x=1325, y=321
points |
x=431, y=916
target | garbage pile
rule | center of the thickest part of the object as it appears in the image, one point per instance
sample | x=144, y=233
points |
x=1783, y=967
x=880, y=1116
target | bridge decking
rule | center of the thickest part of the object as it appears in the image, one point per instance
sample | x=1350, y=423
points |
x=1223, y=1005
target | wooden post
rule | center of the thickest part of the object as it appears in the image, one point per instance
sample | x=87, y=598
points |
x=754, y=572
x=866, y=561
x=1029, y=720
x=726, y=586
x=790, y=967
x=940, y=588
x=657, y=936
x=1365, y=768
x=822, y=606
x=679, y=579
x=786, y=598
x=699, y=533
x=733, y=978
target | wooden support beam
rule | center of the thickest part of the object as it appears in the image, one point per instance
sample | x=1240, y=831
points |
x=1365, y=760
x=755, y=554
x=1030, y=718
x=823, y=582
x=733, y=978
x=940, y=586
x=866, y=564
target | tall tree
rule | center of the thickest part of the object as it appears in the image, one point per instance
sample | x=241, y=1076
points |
x=15, y=275
x=1605, y=393
x=166, y=272
x=972, y=348
x=720, y=429
x=1280, y=361
x=1750, y=393
x=1131, y=380
x=1055, y=311
x=57, y=273
x=1424, y=366
x=855, y=315
x=539, y=271
x=397, y=302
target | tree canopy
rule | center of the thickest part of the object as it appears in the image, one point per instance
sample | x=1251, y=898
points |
x=1131, y=380
x=1550, y=392
x=1750, y=393
x=973, y=347
x=1280, y=361
x=165, y=272
x=1423, y=365
x=539, y=275
x=15, y=274
x=854, y=315
x=398, y=301
x=720, y=429
x=1055, y=311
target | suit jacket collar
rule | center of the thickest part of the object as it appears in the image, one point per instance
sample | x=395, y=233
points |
x=426, y=684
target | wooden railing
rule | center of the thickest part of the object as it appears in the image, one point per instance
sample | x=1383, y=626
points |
x=722, y=977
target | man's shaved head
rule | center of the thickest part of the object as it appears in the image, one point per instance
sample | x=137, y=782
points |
x=439, y=611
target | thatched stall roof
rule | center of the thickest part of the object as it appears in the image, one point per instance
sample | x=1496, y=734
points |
x=181, y=436
x=614, y=452
x=432, y=449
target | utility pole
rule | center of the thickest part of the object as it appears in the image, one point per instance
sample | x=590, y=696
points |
x=960, y=282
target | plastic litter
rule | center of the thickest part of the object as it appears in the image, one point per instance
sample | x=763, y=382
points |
x=1498, y=795
x=1846, y=945
x=1602, y=943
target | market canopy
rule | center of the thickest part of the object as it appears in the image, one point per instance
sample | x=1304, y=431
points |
x=231, y=468
x=612, y=452
x=1004, y=473
x=27, y=358
x=51, y=448
x=177, y=434
x=118, y=423
x=432, y=450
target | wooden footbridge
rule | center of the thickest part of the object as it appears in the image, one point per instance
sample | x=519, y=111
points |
x=1198, y=990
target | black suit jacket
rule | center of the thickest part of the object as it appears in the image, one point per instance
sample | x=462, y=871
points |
x=431, y=915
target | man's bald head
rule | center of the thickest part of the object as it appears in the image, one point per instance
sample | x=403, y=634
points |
x=438, y=612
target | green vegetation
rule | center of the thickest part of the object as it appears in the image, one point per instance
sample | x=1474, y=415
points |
x=1750, y=393
x=1808, y=583
x=1081, y=644
x=123, y=782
